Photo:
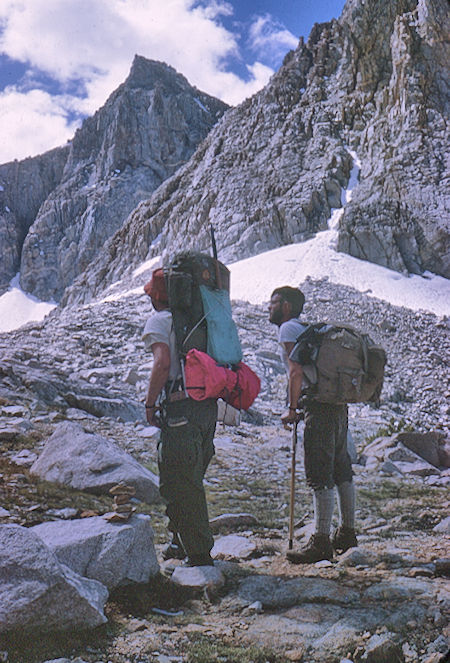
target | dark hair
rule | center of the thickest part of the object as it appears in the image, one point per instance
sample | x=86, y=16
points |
x=294, y=296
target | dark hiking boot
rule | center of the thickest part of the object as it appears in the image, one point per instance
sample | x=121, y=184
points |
x=174, y=550
x=344, y=538
x=200, y=560
x=318, y=548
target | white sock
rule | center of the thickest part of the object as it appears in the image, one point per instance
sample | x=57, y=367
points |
x=346, y=504
x=323, y=510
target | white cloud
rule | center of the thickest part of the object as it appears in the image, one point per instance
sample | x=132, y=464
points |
x=35, y=121
x=268, y=36
x=94, y=41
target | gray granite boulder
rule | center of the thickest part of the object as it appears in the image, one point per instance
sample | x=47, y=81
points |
x=112, y=553
x=85, y=461
x=38, y=592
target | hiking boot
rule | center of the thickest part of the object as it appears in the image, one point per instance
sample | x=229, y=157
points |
x=204, y=559
x=318, y=548
x=174, y=550
x=344, y=538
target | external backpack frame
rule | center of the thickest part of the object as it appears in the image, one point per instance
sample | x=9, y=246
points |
x=207, y=340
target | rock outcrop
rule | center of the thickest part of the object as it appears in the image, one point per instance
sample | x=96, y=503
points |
x=147, y=129
x=114, y=554
x=365, y=97
x=37, y=592
x=85, y=461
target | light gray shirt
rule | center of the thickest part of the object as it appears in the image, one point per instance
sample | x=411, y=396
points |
x=289, y=332
x=159, y=329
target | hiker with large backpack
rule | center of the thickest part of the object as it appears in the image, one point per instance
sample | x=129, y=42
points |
x=197, y=359
x=327, y=462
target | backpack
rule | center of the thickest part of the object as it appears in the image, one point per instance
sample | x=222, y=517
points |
x=341, y=364
x=208, y=344
x=198, y=287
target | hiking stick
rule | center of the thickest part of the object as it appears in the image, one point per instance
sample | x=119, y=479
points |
x=292, y=500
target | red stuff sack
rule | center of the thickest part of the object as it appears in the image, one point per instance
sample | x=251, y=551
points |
x=205, y=379
x=247, y=388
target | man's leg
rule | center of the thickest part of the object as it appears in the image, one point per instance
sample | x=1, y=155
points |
x=345, y=536
x=184, y=454
x=318, y=442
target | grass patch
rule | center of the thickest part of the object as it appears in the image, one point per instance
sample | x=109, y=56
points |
x=260, y=498
x=34, y=647
x=393, y=427
x=393, y=498
x=263, y=499
x=208, y=650
x=28, y=498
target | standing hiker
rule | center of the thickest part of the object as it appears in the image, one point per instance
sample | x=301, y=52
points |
x=187, y=431
x=327, y=462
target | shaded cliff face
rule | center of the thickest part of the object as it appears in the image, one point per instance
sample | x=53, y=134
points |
x=369, y=90
x=149, y=126
x=24, y=185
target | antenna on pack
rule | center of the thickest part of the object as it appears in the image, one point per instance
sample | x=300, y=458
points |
x=214, y=250
x=213, y=241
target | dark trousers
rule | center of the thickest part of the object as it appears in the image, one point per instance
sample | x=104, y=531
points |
x=184, y=452
x=327, y=462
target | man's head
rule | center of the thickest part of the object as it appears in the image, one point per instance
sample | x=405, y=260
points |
x=285, y=303
x=157, y=291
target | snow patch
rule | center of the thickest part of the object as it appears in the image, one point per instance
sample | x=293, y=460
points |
x=17, y=307
x=153, y=263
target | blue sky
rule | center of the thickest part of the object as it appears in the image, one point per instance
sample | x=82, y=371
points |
x=61, y=59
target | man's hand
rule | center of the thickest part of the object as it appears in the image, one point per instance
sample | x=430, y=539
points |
x=151, y=414
x=290, y=416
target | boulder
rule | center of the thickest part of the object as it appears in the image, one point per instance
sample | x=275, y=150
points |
x=100, y=406
x=382, y=649
x=443, y=527
x=113, y=553
x=38, y=592
x=231, y=520
x=86, y=461
x=233, y=547
x=198, y=577
x=433, y=446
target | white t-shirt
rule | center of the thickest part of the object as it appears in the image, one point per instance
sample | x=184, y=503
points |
x=289, y=332
x=159, y=329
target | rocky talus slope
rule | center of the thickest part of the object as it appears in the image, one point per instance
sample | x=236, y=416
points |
x=386, y=601
x=61, y=207
x=367, y=93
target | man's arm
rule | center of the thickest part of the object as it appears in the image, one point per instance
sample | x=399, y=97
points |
x=295, y=387
x=158, y=378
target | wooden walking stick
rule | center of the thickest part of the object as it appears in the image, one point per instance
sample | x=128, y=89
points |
x=292, y=500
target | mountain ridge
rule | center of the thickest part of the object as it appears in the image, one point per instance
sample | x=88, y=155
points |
x=147, y=128
x=273, y=169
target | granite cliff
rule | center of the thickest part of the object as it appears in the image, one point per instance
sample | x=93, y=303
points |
x=366, y=94
x=61, y=207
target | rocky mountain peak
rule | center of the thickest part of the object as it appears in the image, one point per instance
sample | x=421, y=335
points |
x=365, y=97
x=148, y=74
x=146, y=130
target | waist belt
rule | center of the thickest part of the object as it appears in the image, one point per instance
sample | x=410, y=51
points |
x=174, y=390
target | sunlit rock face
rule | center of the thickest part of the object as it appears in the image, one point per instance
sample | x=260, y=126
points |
x=362, y=105
x=148, y=128
x=366, y=93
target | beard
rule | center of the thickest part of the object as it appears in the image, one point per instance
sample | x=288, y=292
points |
x=276, y=317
